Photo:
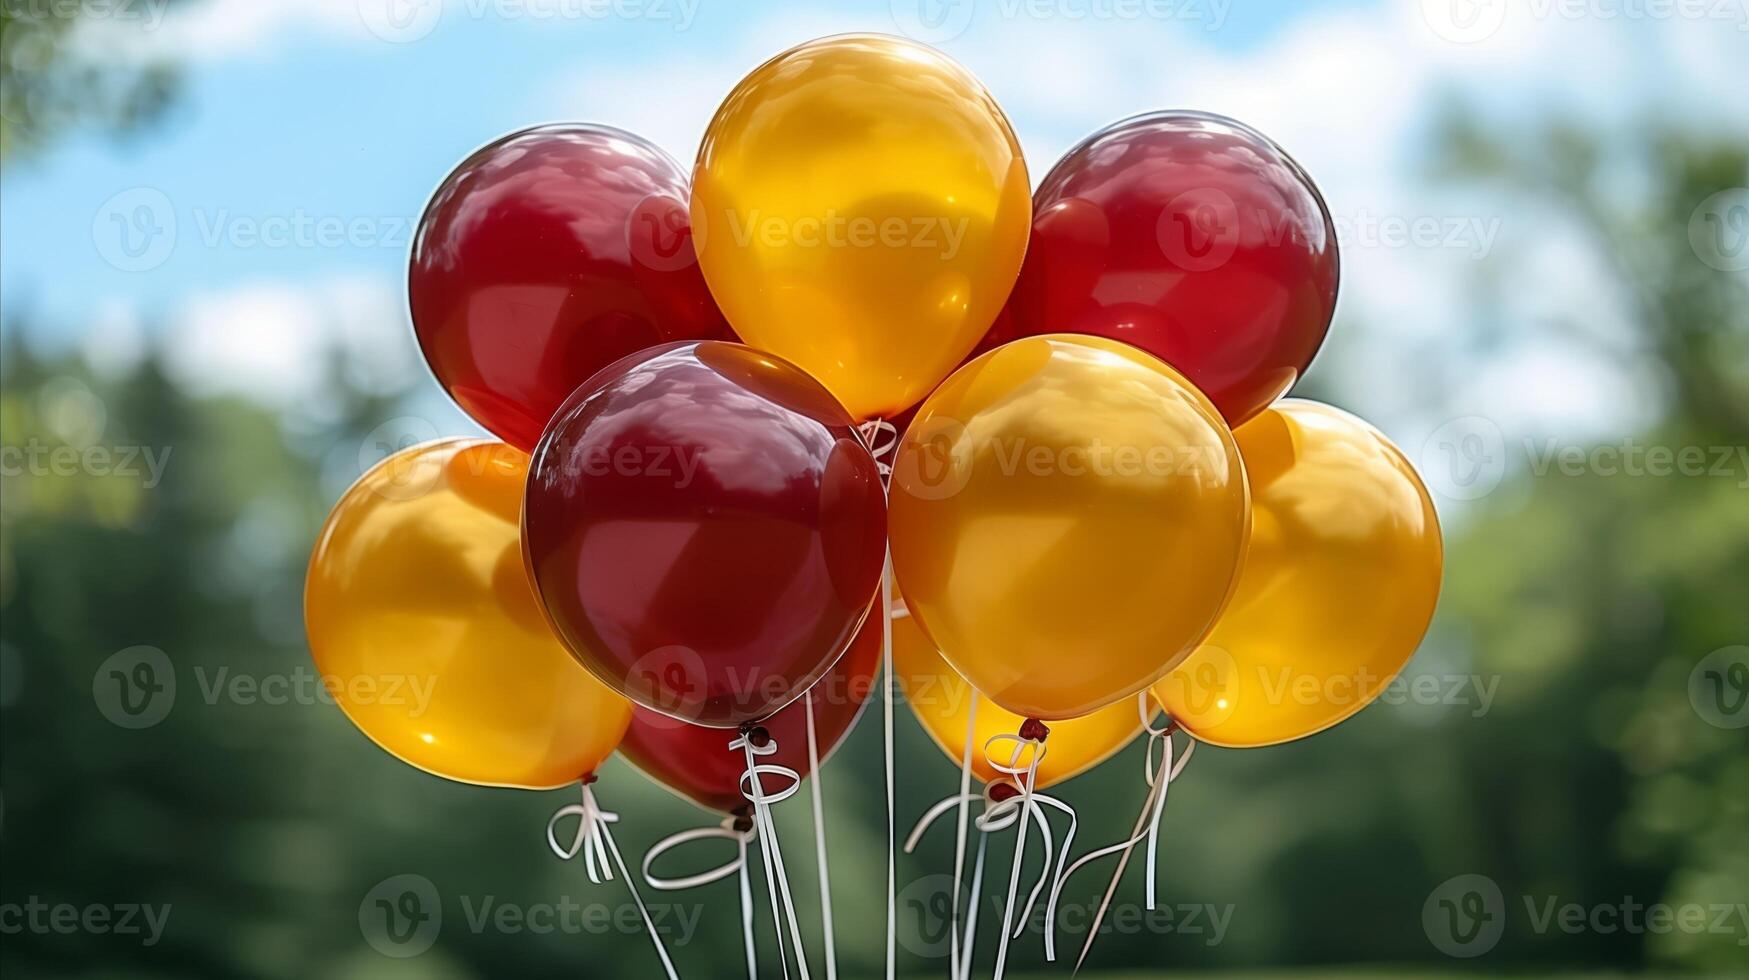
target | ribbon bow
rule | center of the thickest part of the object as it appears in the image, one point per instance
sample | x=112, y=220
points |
x=591, y=838
x=1147, y=828
x=595, y=840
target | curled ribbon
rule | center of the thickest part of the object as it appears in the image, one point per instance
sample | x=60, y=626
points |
x=737, y=829
x=881, y=437
x=1147, y=828
x=755, y=743
x=1023, y=807
x=595, y=840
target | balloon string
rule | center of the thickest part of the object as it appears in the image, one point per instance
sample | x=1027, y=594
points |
x=965, y=963
x=1028, y=778
x=959, y=845
x=595, y=839
x=881, y=438
x=820, y=841
x=1147, y=827
x=741, y=831
x=887, y=694
x=997, y=816
x=777, y=877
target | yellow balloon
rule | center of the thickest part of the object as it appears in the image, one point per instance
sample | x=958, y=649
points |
x=860, y=207
x=424, y=625
x=942, y=701
x=1337, y=590
x=1067, y=516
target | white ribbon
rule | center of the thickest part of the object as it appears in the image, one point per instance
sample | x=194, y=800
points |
x=595, y=840
x=1147, y=828
x=737, y=866
x=959, y=845
x=881, y=438
x=820, y=841
x=1021, y=808
x=887, y=682
x=776, y=877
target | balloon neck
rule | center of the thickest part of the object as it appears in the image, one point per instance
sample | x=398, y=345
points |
x=741, y=819
x=756, y=735
x=1034, y=730
x=1001, y=792
x=588, y=779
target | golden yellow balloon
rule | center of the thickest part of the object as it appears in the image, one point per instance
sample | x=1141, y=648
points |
x=860, y=207
x=1338, y=587
x=1067, y=516
x=423, y=623
x=942, y=700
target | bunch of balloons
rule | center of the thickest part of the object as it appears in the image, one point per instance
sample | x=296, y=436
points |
x=855, y=359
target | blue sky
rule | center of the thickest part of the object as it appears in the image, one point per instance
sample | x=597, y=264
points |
x=308, y=115
x=309, y=118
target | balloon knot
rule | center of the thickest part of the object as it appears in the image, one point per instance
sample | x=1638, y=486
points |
x=743, y=820
x=589, y=779
x=1000, y=792
x=1034, y=730
x=758, y=737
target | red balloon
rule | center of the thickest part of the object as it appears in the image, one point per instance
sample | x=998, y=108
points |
x=545, y=257
x=696, y=763
x=706, y=530
x=1193, y=237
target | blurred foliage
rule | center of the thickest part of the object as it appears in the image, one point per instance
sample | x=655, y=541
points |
x=1591, y=779
x=50, y=83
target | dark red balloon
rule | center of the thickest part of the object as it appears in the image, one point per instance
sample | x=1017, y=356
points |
x=545, y=257
x=706, y=530
x=696, y=763
x=1193, y=237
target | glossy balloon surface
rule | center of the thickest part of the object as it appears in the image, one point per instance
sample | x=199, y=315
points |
x=1338, y=588
x=696, y=763
x=705, y=528
x=942, y=701
x=1193, y=237
x=862, y=208
x=1068, y=514
x=543, y=258
x=423, y=623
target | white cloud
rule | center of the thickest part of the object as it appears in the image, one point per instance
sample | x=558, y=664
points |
x=279, y=342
